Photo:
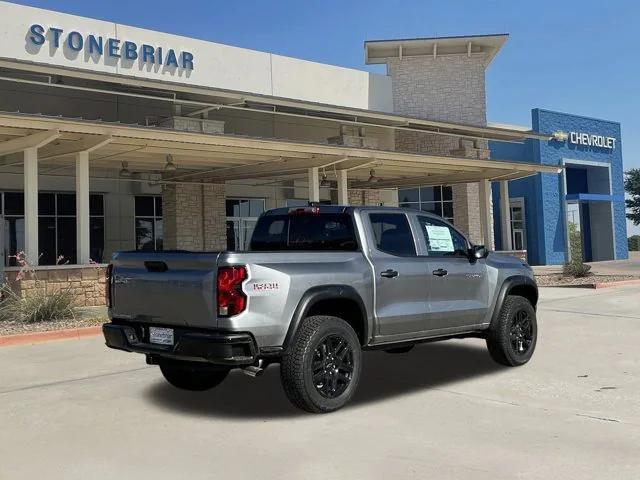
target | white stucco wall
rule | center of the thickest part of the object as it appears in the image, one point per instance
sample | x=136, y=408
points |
x=215, y=65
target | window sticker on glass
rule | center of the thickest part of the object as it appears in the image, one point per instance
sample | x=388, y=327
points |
x=439, y=239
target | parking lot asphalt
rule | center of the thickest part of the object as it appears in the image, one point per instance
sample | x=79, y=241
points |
x=73, y=409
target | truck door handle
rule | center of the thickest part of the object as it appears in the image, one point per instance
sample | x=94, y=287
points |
x=441, y=272
x=389, y=273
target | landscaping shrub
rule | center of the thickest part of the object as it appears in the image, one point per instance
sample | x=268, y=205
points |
x=36, y=306
x=576, y=269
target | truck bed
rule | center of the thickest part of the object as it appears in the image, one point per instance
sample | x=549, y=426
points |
x=167, y=288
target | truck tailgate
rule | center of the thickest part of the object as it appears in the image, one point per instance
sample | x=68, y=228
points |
x=168, y=288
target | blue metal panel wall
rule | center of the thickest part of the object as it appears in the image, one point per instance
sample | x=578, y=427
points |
x=553, y=152
x=545, y=222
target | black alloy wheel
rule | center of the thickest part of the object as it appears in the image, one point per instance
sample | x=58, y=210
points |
x=321, y=368
x=513, y=333
x=332, y=366
x=521, y=332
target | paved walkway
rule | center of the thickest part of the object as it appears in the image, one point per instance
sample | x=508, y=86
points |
x=612, y=267
x=75, y=410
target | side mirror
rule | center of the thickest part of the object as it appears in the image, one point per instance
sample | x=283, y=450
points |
x=477, y=251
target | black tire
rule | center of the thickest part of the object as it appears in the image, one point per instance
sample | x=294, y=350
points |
x=321, y=369
x=403, y=349
x=512, y=336
x=192, y=376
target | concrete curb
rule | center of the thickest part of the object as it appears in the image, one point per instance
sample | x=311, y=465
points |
x=595, y=286
x=616, y=284
x=40, y=337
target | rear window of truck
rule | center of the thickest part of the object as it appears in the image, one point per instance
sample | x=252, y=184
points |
x=317, y=232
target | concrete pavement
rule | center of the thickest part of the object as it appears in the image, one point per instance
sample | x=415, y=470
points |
x=75, y=410
x=630, y=266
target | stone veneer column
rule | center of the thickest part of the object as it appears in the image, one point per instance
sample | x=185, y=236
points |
x=448, y=88
x=466, y=210
x=361, y=197
x=466, y=196
x=194, y=217
x=215, y=217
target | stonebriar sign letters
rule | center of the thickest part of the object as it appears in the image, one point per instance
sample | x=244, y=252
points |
x=111, y=47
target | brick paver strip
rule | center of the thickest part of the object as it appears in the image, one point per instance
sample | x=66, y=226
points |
x=39, y=337
x=616, y=284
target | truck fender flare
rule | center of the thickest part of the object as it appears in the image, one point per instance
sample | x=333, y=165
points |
x=317, y=294
x=508, y=285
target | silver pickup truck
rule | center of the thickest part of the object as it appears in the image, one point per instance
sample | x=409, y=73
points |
x=318, y=285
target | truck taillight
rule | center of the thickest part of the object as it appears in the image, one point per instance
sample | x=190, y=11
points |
x=107, y=285
x=314, y=210
x=231, y=298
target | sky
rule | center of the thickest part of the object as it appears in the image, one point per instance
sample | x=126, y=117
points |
x=579, y=57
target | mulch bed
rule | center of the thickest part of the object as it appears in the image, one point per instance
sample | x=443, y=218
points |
x=558, y=280
x=14, y=328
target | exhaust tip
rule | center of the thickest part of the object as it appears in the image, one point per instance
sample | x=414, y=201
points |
x=252, y=371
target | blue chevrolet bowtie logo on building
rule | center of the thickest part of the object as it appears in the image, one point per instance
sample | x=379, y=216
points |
x=111, y=47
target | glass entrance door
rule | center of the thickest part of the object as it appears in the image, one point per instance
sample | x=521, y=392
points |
x=239, y=231
x=518, y=229
x=242, y=215
x=574, y=230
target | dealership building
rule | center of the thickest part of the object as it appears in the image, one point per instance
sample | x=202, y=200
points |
x=117, y=138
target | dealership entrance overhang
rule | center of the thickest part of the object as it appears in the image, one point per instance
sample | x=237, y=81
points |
x=49, y=144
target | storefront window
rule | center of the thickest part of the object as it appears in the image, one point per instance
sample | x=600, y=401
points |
x=242, y=215
x=437, y=200
x=148, y=222
x=518, y=237
x=56, y=227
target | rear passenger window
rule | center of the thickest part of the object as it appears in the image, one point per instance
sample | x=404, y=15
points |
x=392, y=233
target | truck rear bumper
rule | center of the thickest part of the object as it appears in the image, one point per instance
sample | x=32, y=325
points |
x=232, y=349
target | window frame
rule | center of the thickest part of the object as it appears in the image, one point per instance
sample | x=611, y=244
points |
x=237, y=220
x=518, y=202
x=245, y=199
x=423, y=240
x=55, y=216
x=418, y=204
x=3, y=203
x=153, y=219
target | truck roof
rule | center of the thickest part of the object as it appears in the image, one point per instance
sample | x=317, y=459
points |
x=319, y=208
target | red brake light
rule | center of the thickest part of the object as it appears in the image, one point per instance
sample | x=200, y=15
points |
x=304, y=210
x=231, y=298
x=107, y=285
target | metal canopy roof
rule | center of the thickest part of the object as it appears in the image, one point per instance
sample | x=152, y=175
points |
x=220, y=158
x=198, y=99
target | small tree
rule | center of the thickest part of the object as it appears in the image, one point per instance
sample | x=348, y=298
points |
x=575, y=243
x=632, y=186
x=576, y=267
x=634, y=243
